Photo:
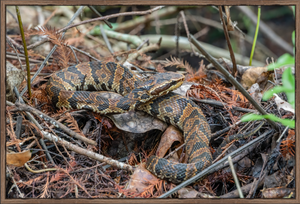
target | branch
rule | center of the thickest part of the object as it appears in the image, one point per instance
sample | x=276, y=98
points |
x=24, y=107
x=110, y=16
x=87, y=153
x=228, y=42
x=232, y=80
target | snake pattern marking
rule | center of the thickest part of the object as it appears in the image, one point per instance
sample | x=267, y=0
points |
x=76, y=87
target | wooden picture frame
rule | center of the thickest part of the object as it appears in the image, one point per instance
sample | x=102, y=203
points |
x=5, y=3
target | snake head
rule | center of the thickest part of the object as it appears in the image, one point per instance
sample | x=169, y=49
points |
x=155, y=86
x=163, y=83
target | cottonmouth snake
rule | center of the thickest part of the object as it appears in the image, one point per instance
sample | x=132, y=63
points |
x=72, y=86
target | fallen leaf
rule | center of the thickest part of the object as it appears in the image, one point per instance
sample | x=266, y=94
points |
x=290, y=177
x=187, y=193
x=275, y=180
x=259, y=163
x=252, y=75
x=18, y=159
x=184, y=88
x=281, y=104
x=134, y=121
x=14, y=78
x=140, y=179
x=171, y=135
x=255, y=92
x=137, y=122
x=277, y=192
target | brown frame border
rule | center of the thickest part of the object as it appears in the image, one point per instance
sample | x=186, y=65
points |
x=5, y=3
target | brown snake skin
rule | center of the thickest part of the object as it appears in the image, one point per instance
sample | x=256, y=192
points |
x=71, y=88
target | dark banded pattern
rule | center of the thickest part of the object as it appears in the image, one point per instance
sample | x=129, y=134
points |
x=187, y=116
x=71, y=88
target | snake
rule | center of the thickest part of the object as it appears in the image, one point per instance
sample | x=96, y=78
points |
x=78, y=87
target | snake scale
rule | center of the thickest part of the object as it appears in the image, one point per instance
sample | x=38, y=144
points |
x=76, y=87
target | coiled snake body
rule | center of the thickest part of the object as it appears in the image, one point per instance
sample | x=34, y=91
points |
x=71, y=88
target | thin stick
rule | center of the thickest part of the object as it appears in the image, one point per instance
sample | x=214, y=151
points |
x=99, y=14
x=186, y=28
x=142, y=44
x=87, y=153
x=81, y=51
x=225, y=16
x=236, y=180
x=228, y=42
x=177, y=33
x=223, y=152
x=232, y=80
x=245, y=189
x=108, y=45
x=53, y=50
x=15, y=18
x=37, y=125
x=171, y=153
x=10, y=174
x=25, y=50
x=286, y=128
x=144, y=50
x=18, y=46
x=218, y=103
x=110, y=16
x=39, y=171
x=77, y=61
x=18, y=126
x=143, y=20
x=42, y=142
x=24, y=107
x=13, y=47
x=217, y=25
x=9, y=56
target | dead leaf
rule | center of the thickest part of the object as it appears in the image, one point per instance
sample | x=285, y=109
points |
x=277, y=192
x=245, y=163
x=187, y=193
x=230, y=25
x=290, y=176
x=134, y=121
x=259, y=163
x=18, y=159
x=262, y=80
x=184, y=88
x=252, y=75
x=140, y=178
x=171, y=135
x=275, y=180
x=281, y=104
x=14, y=78
x=137, y=122
x=255, y=92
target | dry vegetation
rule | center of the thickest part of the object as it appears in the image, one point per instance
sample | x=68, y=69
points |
x=97, y=157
